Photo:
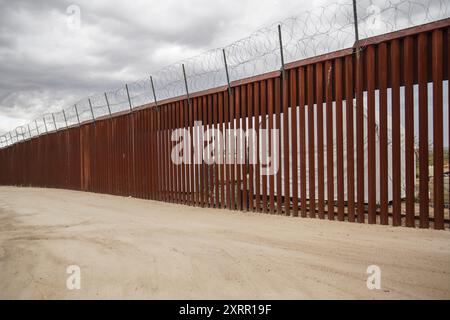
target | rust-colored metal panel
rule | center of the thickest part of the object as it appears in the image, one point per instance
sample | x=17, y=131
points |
x=438, y=174
x=198, y=174
x=141, y=176
x=203, y=176
x=157, y=152
x=408, y=60
x=175, y=167
x=192, y=180
x=265, y=185
x=212, y=186
x=330, y=140
x=131, y=157
x=360, y=137
x=166, y=167
x=257, y=167
x=149, y=160
x=277, y=104
x=159, y=156
x=272, y=125
x=302, y=100
x=161, y=153
x=320, y=156
x=293, y=104
x=136, y=127
x=185, y=176
x=371, y=128
x=237, y=96
x=221, y=160
x=215, y=125
x=187, y=168
x=181, y=170
x=286, y=157
x=146, y=160
x=447, y=54
x=167, y=152
x=243, y=148
x=383, y=129
x=178, y=167
x=396, y=166
x=311, y=142
x=251, y=146
x=228, y=103
x=338, y=81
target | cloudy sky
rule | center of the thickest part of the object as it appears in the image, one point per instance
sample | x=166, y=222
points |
x=47, y=63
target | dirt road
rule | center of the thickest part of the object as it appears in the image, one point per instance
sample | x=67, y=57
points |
x=130, y=248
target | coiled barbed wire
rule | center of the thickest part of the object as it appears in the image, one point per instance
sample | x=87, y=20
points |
x=308, y=34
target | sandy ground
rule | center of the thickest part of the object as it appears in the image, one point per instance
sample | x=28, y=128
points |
x=130, y=248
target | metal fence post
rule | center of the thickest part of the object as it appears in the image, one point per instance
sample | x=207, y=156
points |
x=280, y=39
x=78, y=116
x=45, y=125
x=37, y=128
x=129, y=99
x=65, y=118
x=355, y=22
x=226, y=71
x=154, y=93
x=92, y=110
x=107, y=104
x=29, y=131
x=186, y=85
x=54, y=121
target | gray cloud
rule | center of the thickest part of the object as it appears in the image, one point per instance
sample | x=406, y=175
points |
x=45, y=66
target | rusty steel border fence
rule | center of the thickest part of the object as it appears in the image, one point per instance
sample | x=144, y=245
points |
x=343, y=148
